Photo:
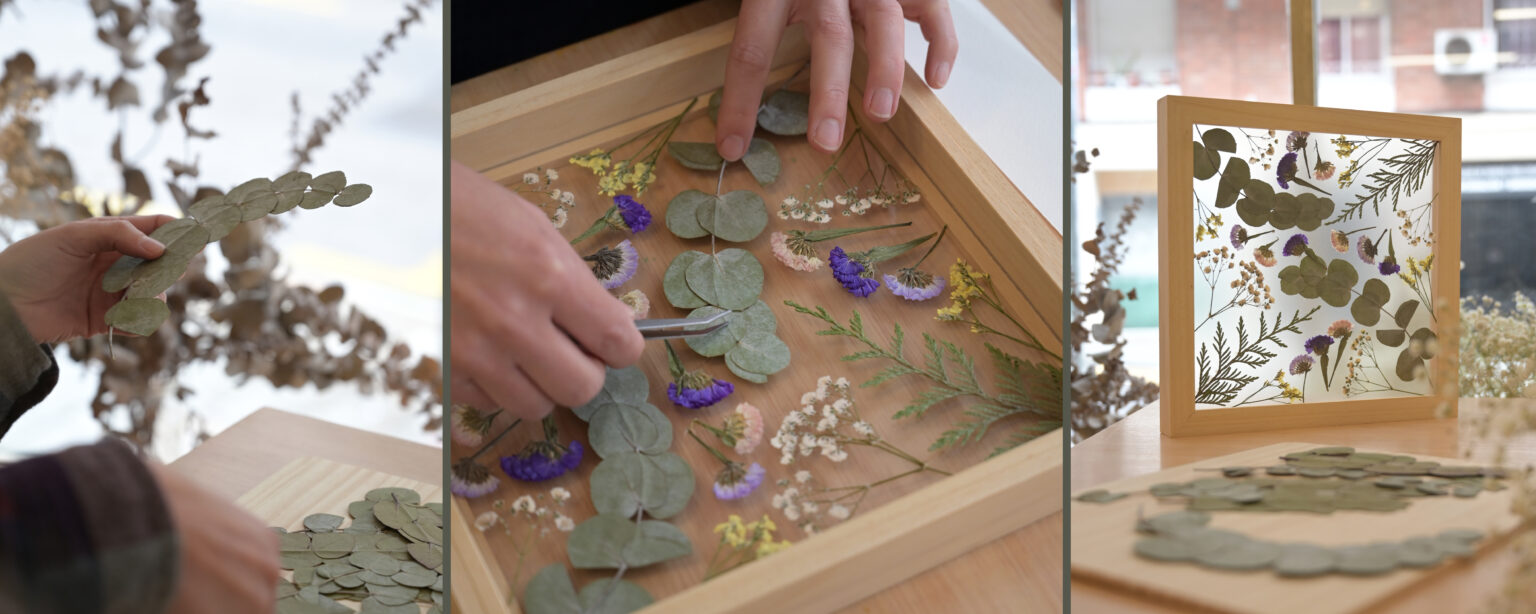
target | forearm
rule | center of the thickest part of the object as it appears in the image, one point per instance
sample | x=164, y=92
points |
x=27, y=369
x=85, y=531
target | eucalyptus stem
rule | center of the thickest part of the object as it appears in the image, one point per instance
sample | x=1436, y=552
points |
x=716, y=453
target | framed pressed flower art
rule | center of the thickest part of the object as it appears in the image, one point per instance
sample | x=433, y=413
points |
x=1308, y=265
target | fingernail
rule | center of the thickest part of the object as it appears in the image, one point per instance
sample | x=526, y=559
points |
x=829, y=134
x=883, y=103
x=150, y=245
x=940, y=74
x=732, y=148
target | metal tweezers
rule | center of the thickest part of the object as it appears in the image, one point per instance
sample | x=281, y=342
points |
x=673, y=328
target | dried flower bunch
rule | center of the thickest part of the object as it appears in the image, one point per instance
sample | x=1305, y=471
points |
x=828, y=424
x=638, y=171
x=555, y=203
x=527, y=520
x=741, y=543
x=248, y=316
x=1321, y=281
x=1103, y=390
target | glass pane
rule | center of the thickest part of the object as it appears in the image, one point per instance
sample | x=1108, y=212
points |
x=1365, y=44
x=1330, y=51
x=1312, y=260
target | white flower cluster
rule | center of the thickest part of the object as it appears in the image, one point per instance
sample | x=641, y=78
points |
x=809, y=430
x=810, y=211
x=528, y=508
x=853, y=204
x=799, y=506
x=559, y=200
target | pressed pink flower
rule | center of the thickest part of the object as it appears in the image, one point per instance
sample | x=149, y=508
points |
x=637, y=301
x=747, y=427
x=1263, y=255
x=1366, y=249
x=469, y=425
x=1340, y=241
x=799, y=262
x=471, y=479
x=1340, y=328
x=1323, y=170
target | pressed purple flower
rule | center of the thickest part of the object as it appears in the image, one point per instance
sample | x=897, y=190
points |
x=735, y=481
x=1295, y=246
x=1388, y=266
x=697, y=390
x=615, y=266
x=1239, y=236
x=542, y=460
x=1366, y=249
x=1285, y=171
x=1301, y=364
x=914, y=285
x=1319, y=344
x=634, y=214
x=1296, y=140
x=851, y=273
x=471, y=479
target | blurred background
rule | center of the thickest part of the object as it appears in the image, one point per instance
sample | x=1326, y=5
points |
x=1473, y=59
x=317, y=85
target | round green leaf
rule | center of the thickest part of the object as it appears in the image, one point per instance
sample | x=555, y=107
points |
x=290, y=190
x=1367, y=307
x=624, y=484
x=784, y=113
x=762, y=160
x=675, y=282
x=1391, y=337
x=609, y=542
x=220, y=221
x=1285, y=212
x=732, y=279
x=617, y=429
x=757, y=318
x=550, y=592
x=756, y=378
x=682, y=214
x=158, y=275
x=1404, y=314
x=119, y=275
x=738, y=216
x=1205, y=162
x=1408, y=365
x=323, y=523
x=697, y=156
x=1219, y=139
x=716, y=343
x=322, y=189
x=353, y=194
x=1233, y=178
x=624, y=597
x=140, y=316
x=627, y=386
x=254, y=198
x=760, y=352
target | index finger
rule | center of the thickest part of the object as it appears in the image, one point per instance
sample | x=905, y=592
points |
x=601, y=324
x=145, y=223
x=758, y=30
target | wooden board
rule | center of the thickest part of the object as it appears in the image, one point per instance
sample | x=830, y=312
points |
x=307, y=486
x=1103, y=534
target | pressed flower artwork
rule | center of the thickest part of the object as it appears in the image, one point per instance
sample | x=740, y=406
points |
x=1320, y=287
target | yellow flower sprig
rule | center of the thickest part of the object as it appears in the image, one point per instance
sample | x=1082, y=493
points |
x=969, y=287
x=638, y=171
x=742, y=542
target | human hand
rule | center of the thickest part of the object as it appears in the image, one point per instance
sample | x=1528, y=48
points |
x=229, y=558
x=53, y=278
x=830, y=26
x=531, y=326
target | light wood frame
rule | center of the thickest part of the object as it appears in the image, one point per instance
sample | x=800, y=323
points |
x=985, y=212
x=1177, y=116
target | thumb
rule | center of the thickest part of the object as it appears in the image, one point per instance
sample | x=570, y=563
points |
x=116, y=236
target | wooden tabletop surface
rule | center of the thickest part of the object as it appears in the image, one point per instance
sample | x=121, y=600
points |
x=243, y=455
x=1023, y=568
x=1135, y=446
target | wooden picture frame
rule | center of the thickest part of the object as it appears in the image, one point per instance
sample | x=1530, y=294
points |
x=985, y=213
x=1178, y=117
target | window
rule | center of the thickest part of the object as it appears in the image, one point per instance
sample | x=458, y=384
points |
x=1349, y=45
x=1515, y=22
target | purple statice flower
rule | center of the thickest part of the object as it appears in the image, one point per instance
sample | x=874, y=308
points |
x=1239, y=236
x=1388, y=266
x=697, y=390
x=1296, y=140
x=471, y=479
x=735, y=481
x=1319, y=344
x=542, y=460
x=1366, y=249
x=1285, y=171
x=634, y=214
x=850, y=273
x=614, y=266
x=1301, y=364
x=914, y=285
x=1295, y=246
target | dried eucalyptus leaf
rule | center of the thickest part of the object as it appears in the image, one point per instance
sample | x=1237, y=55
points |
x=738, y=216
x=290, y=190
x=118, y=276
x=598, y=543
x=714, y=105
x=697, y=156
x=220, y=221
x=333, y=545
x=762, y=159
x=158, y=275
x=550, y=592
x=785, y=113
x=254, y=198
x=716, y=343
x=656, y=541
x=353, y=194
x=627, y=386
x=618, y=429
x=392, y=595
x=322, y=189
x=760, y=352
x=624, y=484
x=624, y=597
x=756, y=378
x=675, y=282
x=683, y=211
x=757, y=318
x=403, y=495
x=323, y=523
x=140, y=316
x=374, y=605
x=429, y=556
x=732, y=279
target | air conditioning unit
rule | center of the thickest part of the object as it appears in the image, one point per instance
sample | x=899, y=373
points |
x=1466, y=51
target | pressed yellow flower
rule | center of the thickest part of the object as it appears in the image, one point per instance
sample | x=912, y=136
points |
x=769, y=547
x=950, y=313
x=1343, y=147
x=733, y=531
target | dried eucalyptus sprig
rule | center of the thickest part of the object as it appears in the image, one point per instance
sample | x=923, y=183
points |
x=638, y=477
x=1030, y=391
x=210, y=220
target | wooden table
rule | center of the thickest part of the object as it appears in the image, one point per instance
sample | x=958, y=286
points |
x=1021, y=572
x=1135, y=446
x=239, y=458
